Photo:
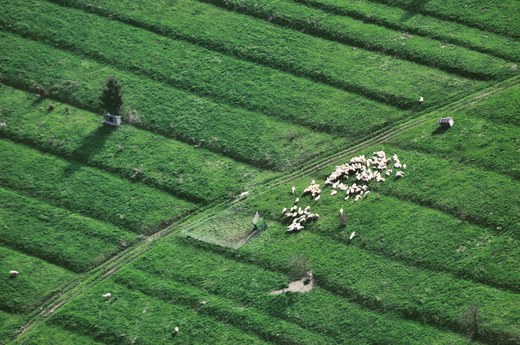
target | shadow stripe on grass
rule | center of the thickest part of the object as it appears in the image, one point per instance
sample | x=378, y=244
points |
x=315, y=28
x=262, y=60
x=350, y=10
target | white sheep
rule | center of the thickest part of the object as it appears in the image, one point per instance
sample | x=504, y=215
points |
x=317, y=198
x=107, y=296
x=293, y=189
x=341, y=211
x=352, y=235
x=399, y=174
x=244, y=195
x=284, y=210
x=421, y=99
x=13, y=274
x=297, y=200
x=333, y=192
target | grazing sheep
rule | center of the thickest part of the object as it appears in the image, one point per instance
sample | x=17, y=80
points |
x=317, y=198
x=107, y=296
x=352, y=235
x=341, y=211
x=421, y=99
x=244, y=195
x=284, y=210
x=399, y=174
x=293, y=189
x=13, y=274
x=333, y=192
x=297, y=200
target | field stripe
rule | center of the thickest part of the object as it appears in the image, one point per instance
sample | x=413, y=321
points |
x=248, y=284
x=314, y=26
x=88, y=191
x=339, y=277
x=37, y=281
x=266, y=129
x=378, y=14
x=104, y=271
x=82, y=138
x=148, y=320
x=446, y=16
x=220, y=308
x=56, y=335
x=388, y=99
x=57, y=236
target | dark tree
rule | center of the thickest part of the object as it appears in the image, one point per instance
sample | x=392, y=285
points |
x=299, y=266
x=112, y=97
x=470, y=321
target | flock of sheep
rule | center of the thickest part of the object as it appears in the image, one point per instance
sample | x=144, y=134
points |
x=361, y=170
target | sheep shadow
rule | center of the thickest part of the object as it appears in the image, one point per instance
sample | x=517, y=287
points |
x=91, y=144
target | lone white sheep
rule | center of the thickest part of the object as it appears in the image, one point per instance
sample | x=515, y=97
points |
x=399, y=174
x=244, y=195
x=107, y=296
x=421, y=99
x=293, y=189
x=13, y=274
x=352, y=235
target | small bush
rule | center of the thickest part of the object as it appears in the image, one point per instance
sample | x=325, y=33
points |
x=299, y=266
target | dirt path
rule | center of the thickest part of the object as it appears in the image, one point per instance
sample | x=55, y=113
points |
x=111, y=266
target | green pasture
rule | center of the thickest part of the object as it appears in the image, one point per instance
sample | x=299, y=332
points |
x=135, y=154
x=56, y=235
x=237, y=133
x=87, y=191
x=423, y=25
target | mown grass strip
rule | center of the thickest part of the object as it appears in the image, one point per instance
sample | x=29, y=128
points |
x=487, y=14
x=37, y=280
x=354, y=70
x=87, y=191
x=422, y=50
x=245, y=318
x=381, y=284
x=56, y=235
x=413, y=22
x=249, y=286
x=196, y=174
x=9, y=325
x=131, y=316
x=46, y=334
x=237, y=133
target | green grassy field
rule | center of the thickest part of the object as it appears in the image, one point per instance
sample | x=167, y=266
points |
x=227, y=96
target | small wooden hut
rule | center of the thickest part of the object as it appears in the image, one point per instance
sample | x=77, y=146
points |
x=113, y=120
x=446, y=122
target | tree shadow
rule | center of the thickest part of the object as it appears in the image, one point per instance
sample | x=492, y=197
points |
x=90, y=145
x=414, y=8
x=440, y=130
